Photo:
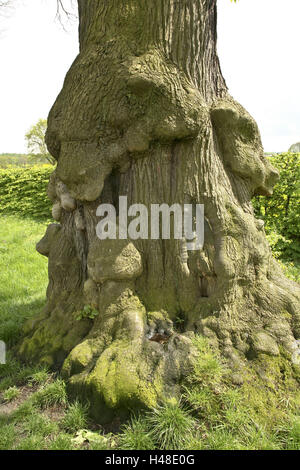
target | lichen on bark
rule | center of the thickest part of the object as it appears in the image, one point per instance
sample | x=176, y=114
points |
x=145, y=113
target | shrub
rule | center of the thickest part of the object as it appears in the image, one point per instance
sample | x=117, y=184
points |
x=281, y=212
x=23, y=191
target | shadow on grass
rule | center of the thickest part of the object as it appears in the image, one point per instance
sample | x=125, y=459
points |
x=15, y=316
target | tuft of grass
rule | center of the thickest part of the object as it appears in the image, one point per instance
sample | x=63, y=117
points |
x=36, y=424
x=33, y=442
x=7, y=436
x=170, y=425
x=11, y=394
x=256, y=436
x=208, y=367
x=101, y=445
x=13, y=373
x=222, y=439
x=39, y=377
x=75, y=417
x=136, y=436
x=52, y=394
x=25, y=410
x=61, y=442
x=288, y=434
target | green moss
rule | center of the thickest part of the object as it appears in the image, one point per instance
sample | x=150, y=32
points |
x=120, y=378
x=112, y=369
x=53, y=339
x=78, y=359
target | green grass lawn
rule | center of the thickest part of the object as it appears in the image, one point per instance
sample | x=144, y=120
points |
x=213, y=413
x=23, y=274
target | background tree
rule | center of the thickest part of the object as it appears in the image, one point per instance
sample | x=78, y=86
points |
x=5, y=4
x=145, y=112
x=64, y=9
x=36, y=145
x=6, y=8
x=281, y=212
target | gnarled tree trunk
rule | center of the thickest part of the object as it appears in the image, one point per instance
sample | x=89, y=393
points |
x=145, y=113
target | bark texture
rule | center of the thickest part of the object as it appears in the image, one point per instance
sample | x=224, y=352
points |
x=145, y=113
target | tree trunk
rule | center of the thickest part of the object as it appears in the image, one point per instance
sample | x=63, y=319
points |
x=145, y=113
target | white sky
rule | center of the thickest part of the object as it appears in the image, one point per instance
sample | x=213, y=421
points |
x=258, y=48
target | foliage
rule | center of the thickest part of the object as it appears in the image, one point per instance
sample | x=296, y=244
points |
x=95, y=440
x=23, y=191
x=281, y=212
x=36, y=145
x=87, y=312
x=11, y=393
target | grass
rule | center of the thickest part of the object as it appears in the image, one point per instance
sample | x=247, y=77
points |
x=135, y=435
x=170, y=425
x=23, y=285
x=39, y=377
x=51, y=395
x=37, y=424
x=7, y=436
x=76, y=417
x=212, y=413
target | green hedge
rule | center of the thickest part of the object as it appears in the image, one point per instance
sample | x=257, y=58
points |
x=23, y=191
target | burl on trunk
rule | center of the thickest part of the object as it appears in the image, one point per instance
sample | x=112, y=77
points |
x=145, y=113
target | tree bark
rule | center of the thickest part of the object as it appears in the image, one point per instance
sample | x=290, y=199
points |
x=145, y=113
